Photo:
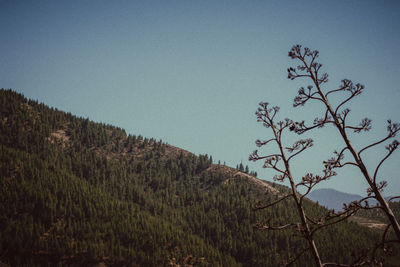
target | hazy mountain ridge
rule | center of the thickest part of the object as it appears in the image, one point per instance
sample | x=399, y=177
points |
x=331, y=198
x=334, y=199
x=75, y=192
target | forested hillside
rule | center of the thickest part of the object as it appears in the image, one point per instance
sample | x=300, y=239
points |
x=75, y=192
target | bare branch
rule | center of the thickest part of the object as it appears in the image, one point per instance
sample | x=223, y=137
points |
x=365, y=125
x=382, y=241
x=299, y=145
x=266, y=226
x=343, y=216
x=353, y=89
x=294, y=259
x=300, y=127
x=381, y=245
x=341, y=88
x=342, y=116
x=392, y=128
x=254, y=156
x=304, y=96
x=349, y=210
x=310, y=180
x=311, y=220
x=266, y=115
x=271, y=163
x=309, y=68
x=390, y=199
x=374, y=144
x=335, y=162
x=391, y=148
x=373, y=261
x=282, y=125
x=260, y=143
x=258, y=206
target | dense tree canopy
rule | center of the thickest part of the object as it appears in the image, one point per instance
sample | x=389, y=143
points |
x=75, y=192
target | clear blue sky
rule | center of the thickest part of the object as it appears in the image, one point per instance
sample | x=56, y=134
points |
x=193, y=72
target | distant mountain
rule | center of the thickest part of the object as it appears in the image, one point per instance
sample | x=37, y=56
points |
x=334, y=199
x=78, y=193
x=331, y=198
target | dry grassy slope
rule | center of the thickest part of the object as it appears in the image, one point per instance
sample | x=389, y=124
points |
x=253, y=181
x=373, y=224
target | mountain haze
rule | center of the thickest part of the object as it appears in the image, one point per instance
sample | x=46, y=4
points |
x=78, y=193
x=331, y=198
x=334, y=199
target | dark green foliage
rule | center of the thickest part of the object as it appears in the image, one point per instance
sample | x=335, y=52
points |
x=75, y=192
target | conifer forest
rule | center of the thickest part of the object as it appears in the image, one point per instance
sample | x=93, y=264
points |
x=74, y=192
